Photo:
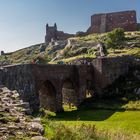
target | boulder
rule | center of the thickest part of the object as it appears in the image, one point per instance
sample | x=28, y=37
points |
x=36, y=127
x=38, y=138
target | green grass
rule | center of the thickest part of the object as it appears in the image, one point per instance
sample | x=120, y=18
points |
x=119, y=52
x=107, y=121
x=104, y=119
x=109, y=124
x=77, y=57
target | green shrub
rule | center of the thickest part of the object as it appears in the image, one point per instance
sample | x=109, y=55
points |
x=115, y=38
x=80, y=34
x=79, y=51
x=42, y=59
x=60, y=131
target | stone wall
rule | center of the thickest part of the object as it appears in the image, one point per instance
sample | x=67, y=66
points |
x=101, y=23
x=59, y=74
x=138, y=26
x=53, y=34
x=44, y=84
x=20, y=78
x=31, y=81
x=107, y=70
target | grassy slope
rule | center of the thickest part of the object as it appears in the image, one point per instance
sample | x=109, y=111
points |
x=26, y=55
x=130, y=51
x=22, y=56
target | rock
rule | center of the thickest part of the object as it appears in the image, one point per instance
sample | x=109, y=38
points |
x=13, y=127
x=25, y=105
x=1, y=90
x=3, y=129
x=15, y=95
x=38, y=120
x=27, y=111
x=38, y=138
x=42, y=48
x=13, y=119
x=138, y=91
x=36, y=127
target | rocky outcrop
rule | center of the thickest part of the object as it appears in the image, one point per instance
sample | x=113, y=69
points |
x=14, y=122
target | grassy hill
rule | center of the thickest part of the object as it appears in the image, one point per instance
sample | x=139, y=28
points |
x=106, y=119
x=80, y=47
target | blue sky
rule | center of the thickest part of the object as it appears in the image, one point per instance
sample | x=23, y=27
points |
x=22, y=22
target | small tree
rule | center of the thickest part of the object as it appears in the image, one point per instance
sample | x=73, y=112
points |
x=41, y=59
x=80, y=34
x=115, y=38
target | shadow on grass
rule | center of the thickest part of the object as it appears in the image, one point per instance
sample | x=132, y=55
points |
x=83, y=115
x=91, y=110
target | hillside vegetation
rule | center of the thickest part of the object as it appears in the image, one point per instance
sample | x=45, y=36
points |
x=78, y=48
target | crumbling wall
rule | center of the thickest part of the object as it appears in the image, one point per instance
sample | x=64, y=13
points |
x=53, y=34
x=107, y=22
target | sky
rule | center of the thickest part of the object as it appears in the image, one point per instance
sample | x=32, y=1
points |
x=22, y=22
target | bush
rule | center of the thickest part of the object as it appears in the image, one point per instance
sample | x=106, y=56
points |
x=42, y=59
x=79, y=51
x=115, y=38
x=59, y=131
x=80, y=34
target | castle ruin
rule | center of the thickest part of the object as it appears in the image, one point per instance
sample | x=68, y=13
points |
x=100, y=23
x=53, y=34
x=106, y=22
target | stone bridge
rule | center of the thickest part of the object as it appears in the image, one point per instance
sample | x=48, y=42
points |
x=49, y=86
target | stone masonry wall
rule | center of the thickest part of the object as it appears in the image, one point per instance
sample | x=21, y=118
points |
x=101, y=23
x=107, y=70
x=29, y=79
x=53, y=34
x=20, y=78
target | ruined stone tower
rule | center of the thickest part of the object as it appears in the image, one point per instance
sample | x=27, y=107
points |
x=101, y=23
x=51, y=33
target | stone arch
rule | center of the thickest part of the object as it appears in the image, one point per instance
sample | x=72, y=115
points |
x=69, y=95
x=47, y=96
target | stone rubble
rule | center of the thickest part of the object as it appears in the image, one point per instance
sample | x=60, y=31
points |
x=15, y=123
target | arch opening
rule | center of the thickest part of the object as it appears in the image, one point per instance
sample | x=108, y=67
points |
x=47, y=96
x=69, y=95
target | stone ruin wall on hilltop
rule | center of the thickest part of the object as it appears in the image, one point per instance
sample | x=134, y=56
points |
x=53, y=34
x=101, y=23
